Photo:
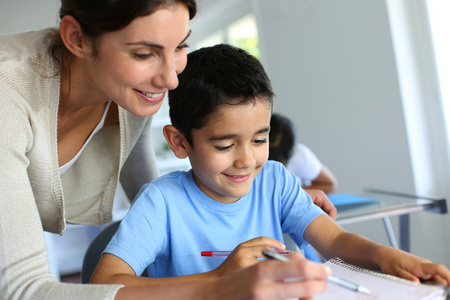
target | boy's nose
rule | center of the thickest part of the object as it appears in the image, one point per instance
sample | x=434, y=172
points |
x=245, y=159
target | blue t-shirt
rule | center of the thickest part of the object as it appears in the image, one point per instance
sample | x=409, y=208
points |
x=172, y=221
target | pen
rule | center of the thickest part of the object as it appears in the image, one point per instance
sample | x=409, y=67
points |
x=226, y=253
x=333, y=279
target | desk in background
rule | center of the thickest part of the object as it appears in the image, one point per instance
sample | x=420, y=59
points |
x=379, y=204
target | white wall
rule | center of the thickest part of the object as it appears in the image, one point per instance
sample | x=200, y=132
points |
x=26, y=15
x=333, y=68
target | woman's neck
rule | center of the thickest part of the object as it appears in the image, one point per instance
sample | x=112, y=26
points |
x=77, y=91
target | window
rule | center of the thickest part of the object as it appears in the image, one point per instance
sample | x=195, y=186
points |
x=242, y=33
x=416, y=31
x=439, y=24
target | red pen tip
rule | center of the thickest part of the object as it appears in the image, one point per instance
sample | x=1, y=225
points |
x=207, y=253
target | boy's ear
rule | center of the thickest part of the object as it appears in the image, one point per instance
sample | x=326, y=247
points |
x=73, y=38
x=176, y=141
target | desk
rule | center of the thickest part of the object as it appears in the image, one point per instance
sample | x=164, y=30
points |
x=390, y=204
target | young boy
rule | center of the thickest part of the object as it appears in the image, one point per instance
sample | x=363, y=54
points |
x=220, y=116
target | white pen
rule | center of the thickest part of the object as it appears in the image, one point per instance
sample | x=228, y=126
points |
x=333, y=279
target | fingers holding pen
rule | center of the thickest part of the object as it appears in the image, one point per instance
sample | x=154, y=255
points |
x=252, y=249
x=247, y=253
x=299, y=278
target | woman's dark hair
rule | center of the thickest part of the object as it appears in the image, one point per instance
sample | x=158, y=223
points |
x=216, y=76
x=281, y=138
x=97, y=17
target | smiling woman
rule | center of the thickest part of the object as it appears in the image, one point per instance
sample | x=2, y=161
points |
x=82, y=98
x=79, y=97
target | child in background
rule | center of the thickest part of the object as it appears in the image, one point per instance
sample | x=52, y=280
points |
x=297, y=157
x=220, y=116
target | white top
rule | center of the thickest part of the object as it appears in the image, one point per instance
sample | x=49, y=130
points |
x=304, y=164
x=99, y=126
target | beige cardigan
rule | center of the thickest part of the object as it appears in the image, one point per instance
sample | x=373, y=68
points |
x=32, y=194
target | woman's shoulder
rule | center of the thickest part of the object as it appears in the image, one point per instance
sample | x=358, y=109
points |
x=20, y=46
x=28, y=73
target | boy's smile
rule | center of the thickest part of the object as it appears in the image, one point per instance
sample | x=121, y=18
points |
x=230, y=150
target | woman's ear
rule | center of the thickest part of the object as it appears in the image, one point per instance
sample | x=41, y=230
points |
x=176, y=141
x=73, y=38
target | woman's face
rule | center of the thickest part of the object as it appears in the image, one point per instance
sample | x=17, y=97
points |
x=137, y=65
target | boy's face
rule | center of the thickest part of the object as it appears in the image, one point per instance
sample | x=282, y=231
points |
x=230, y=150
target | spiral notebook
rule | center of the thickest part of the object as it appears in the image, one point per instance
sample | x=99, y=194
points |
x=381, y=286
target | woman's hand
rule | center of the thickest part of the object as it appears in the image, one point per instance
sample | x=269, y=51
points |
x=264, y=281
x=267, y=280
x=247, y=254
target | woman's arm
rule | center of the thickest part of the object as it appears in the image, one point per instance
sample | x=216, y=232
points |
x=140, y=167
x=24, y=266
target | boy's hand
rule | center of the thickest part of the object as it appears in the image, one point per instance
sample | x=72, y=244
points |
x=247, y=254
x=408, y=266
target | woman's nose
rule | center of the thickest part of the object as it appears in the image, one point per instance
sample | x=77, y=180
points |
x=167, y=76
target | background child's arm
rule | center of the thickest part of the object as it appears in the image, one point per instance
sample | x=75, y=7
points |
x=112, y=269
x=331, y=240
x=320, y=199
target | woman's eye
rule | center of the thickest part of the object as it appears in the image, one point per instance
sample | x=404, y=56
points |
x=262, y=141
x=181, y=47
x=142, y=56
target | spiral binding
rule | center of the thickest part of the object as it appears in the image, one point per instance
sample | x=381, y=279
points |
x=340, y=262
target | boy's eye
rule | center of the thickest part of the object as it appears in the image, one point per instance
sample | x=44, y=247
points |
x=225, y=148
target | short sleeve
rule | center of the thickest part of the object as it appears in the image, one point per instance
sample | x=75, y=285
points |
x=304, y=164
x=141, y=234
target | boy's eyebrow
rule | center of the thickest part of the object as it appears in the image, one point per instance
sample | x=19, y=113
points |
x=152, y=45
x=230, y=136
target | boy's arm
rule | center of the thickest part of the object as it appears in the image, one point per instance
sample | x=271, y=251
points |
x=331, y=240
x=112, y=269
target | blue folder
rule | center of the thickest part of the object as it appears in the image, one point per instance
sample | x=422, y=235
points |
x=348, y=199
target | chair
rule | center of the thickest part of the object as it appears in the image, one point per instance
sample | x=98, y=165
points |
x=95, y=250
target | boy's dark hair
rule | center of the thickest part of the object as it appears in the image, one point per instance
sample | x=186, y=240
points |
x=215, y=76
x=281, y=138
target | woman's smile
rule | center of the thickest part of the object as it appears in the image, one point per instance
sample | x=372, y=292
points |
x=152, y=98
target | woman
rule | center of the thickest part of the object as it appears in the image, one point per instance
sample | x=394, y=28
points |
x=74, y=113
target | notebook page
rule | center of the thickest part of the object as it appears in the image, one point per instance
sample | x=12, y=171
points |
x=383, y=287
